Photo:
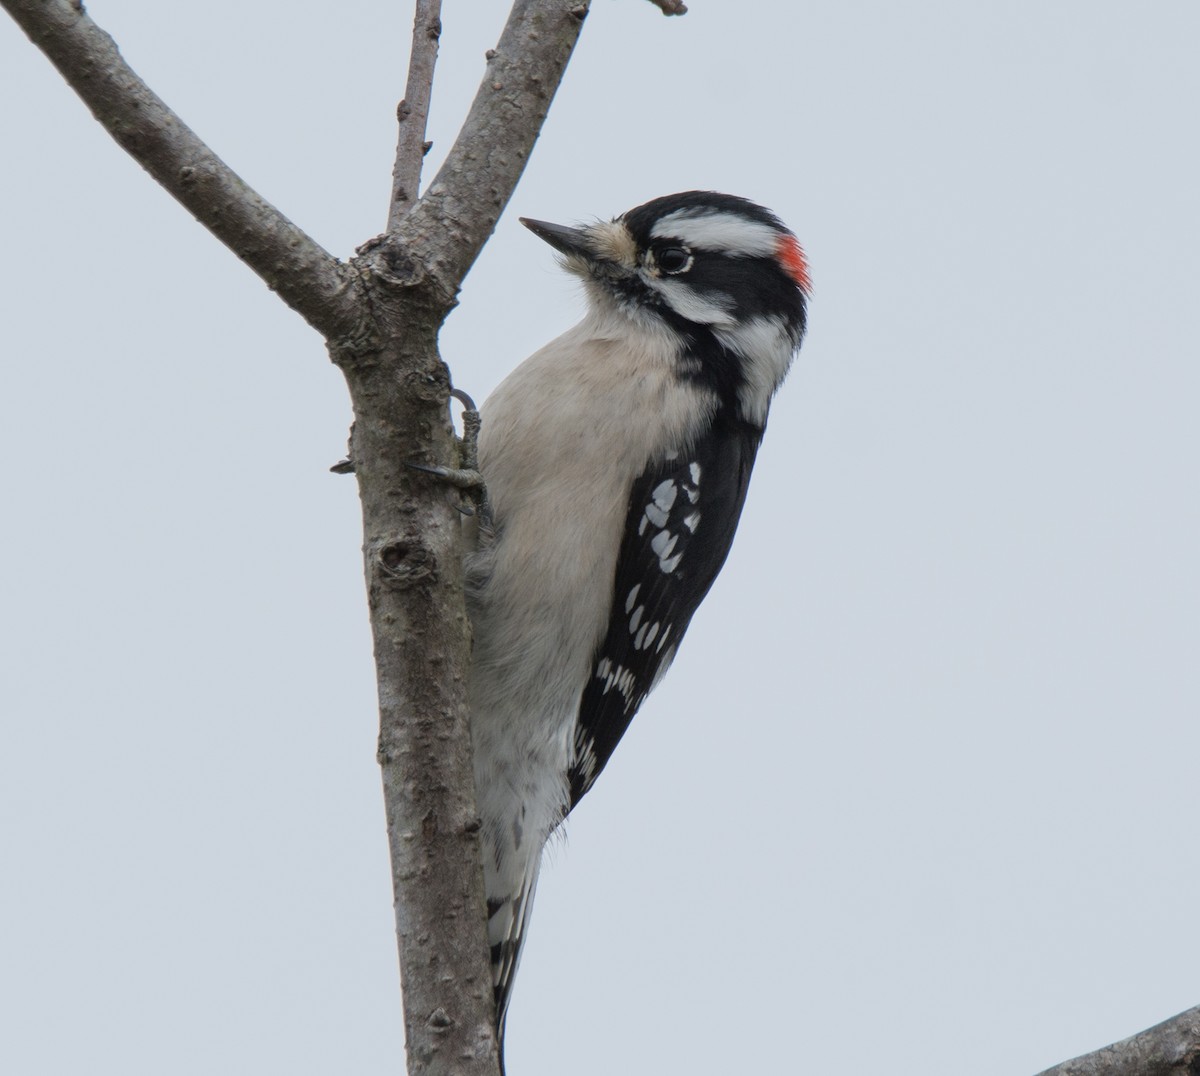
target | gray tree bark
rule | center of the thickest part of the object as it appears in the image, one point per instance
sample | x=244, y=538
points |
x=1171, y=1048
x=380, y=314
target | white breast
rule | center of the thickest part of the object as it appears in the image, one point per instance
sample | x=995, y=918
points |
x=562, y=440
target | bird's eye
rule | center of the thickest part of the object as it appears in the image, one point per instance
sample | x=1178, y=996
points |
x=673, y=259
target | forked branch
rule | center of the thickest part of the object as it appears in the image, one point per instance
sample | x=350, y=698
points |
x=459, y=210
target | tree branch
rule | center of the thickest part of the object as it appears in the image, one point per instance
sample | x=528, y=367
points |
x=449, y=225
x=412, y=536
x=1171, y=1048
x=309, y=279
x=413, y=112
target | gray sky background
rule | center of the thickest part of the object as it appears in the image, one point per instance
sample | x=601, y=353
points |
x=922, y=785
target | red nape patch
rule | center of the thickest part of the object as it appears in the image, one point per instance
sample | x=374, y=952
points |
x=791, y=257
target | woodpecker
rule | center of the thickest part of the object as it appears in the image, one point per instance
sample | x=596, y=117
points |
x=616, y=461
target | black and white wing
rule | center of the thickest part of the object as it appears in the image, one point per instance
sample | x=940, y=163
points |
x=683, y=512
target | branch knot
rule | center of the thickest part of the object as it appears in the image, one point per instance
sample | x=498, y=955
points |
x=404, y=564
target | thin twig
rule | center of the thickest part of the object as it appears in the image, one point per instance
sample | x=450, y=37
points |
x=309, y=279
x=1171, y=1048
x=477, y=179
x=413, y=112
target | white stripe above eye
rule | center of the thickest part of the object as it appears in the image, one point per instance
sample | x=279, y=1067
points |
x=727, y=232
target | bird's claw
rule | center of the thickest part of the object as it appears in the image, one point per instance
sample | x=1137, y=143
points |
x=464, y=399
x=460, y=477
x=469, y=480
x=465, y=477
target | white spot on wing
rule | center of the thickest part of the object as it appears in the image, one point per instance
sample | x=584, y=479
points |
x=636, y=619
x=668, y=657
x=662, y=543
x=585, y=756
x=694, y=471
x=656, y=515
x=692, y=521
x=665, y=493
x=619, y=677
x=633, y=593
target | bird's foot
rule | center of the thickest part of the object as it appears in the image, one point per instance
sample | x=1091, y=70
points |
x=466, y=476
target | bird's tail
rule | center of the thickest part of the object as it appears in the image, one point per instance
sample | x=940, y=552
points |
x=508, y=913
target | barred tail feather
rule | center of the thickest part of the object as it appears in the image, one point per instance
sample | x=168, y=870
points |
x=507, y=917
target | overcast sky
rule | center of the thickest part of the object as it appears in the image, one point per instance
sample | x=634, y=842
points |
x=921, y=789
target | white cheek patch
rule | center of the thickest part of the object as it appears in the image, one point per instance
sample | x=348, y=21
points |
x=727, y=232
x=766, y=347
x=710, y=308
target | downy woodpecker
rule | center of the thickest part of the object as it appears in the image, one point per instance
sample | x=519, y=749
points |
x=616, y=461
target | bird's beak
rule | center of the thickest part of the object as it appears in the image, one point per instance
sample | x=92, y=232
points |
x=564, y=240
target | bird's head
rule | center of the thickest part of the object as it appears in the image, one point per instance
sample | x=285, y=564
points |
x=722, y=273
